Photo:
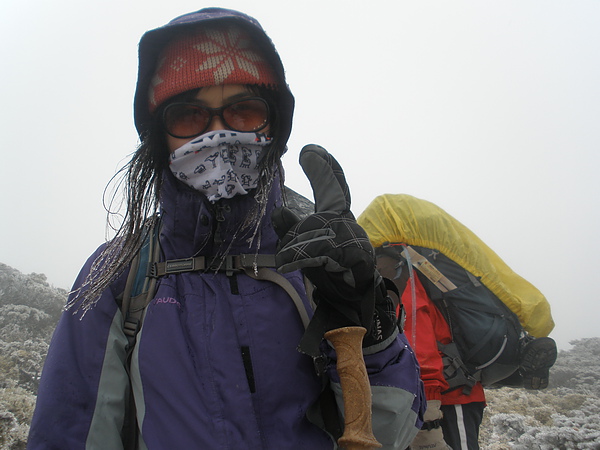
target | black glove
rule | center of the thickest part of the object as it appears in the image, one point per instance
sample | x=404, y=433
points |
x=335, y=254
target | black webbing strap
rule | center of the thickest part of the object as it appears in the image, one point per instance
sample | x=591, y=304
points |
x=456, y=372
x=270, y=275
x=229, y=264
x=431, y=425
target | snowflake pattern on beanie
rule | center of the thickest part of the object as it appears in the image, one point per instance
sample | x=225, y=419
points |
x=227, y=51
x=211, y=57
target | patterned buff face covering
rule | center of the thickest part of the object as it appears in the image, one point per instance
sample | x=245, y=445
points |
x=220, y=164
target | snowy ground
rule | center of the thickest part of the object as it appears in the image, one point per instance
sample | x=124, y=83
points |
x=564, y=416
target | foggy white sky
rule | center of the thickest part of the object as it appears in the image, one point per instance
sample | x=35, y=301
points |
x=489, y=109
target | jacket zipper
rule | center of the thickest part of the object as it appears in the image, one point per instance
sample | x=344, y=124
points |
x=220, y=211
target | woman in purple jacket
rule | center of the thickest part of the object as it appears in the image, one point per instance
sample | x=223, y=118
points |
x=215, y=362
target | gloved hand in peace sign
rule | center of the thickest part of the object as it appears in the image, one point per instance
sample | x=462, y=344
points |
x=335, y=254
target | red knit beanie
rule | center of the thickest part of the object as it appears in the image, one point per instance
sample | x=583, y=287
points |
x=210, y=57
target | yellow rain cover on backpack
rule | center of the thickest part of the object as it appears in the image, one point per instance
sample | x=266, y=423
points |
x=406, y=219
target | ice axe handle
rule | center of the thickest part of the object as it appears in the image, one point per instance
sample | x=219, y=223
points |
x=356, y=390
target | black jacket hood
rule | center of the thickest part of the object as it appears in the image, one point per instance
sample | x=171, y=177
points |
x=153, y=41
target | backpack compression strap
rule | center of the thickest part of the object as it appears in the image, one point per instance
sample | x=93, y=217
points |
x=456, y=372
x=429, y=270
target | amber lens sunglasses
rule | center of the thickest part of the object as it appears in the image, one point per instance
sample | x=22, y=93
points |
x=186, y=119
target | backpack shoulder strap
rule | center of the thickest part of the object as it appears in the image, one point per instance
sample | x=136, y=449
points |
x=140, y=286
x=270, y=275
x=139, y=291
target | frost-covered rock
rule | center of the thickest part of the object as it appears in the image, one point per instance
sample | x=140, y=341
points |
x=564, y=416
x=29, y=310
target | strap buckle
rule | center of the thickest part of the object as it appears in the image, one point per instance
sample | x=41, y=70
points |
x=232, y=265
x=159, y=269
x=431, y=425
x=320, y=363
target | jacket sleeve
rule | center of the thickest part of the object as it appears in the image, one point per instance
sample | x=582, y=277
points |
x=84, y=384
x=397, y=391
x=430, y=328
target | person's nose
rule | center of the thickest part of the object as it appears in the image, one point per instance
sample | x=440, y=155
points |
x=216, y=124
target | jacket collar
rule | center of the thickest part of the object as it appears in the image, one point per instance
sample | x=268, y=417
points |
x=193, y=226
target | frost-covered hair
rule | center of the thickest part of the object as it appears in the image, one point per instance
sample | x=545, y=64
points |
x=140, y=182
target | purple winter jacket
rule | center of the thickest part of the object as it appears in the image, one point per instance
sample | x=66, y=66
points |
x=215, y=365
